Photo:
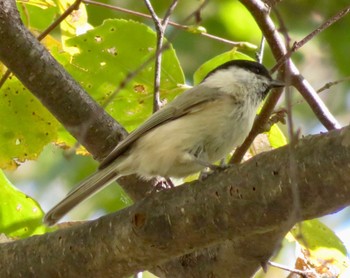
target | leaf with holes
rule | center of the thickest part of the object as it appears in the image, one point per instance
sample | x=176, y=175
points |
x=74, y=24
x=108, y=54
x=26, y=125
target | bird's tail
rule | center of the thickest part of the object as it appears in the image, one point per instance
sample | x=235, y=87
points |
x=82, y=191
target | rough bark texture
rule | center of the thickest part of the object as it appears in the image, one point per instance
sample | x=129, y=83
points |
x=252, y=205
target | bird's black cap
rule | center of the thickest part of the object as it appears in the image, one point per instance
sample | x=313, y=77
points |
x=252, y=66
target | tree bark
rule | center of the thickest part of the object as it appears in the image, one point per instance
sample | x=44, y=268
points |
x=252, y=206
x=34, y=66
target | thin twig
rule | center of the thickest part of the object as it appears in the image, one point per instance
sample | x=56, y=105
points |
x=314, y=101
x=297, y=45
x=4, y=77
x=260, y=13
x=131, y=76
x=284, y=31
x=293, y=138
x=282, y=28
x=158, y=59
x=259, y=125
x=196, y=12
x=302, y=273
x=260, y=53
x=168, y=13
x=332, y=83
x=246, y=45
x=160, y=26
x=52, y=26
x=158, y=62
x=74, y=6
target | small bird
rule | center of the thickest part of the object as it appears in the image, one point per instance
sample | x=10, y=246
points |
x=198, y=128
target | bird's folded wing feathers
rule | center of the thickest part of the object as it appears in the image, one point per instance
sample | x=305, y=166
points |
x=179, y=107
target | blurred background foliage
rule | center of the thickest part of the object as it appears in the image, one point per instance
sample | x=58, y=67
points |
x=322, y=60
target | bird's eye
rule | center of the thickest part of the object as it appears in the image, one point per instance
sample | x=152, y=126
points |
x=257, y=70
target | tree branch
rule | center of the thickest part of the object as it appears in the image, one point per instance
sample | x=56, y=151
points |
x=74, y=6
x=33, y=65
x=328, y=85
x=260, y=13
x=244, y=45
x=297, y=45
x=253, y=213
x=160, y=26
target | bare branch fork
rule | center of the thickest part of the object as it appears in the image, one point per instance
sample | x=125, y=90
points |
x=161, y=47
x=246, y=45
x=301, y=43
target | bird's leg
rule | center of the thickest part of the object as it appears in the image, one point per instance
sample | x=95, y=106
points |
x=163, y=183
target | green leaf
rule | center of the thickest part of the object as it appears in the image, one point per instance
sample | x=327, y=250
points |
x=75, y=23
x=108, y=53
x=238, y=21
x=43, y=4
x=276, y=137
x=37, y=15
x=322, y=243
x=20, y=216
x=208, y=66
x=26, y=126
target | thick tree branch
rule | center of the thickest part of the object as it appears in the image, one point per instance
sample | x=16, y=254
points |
x=249, y=204
x=47, y=31
x=33, y=65
x=48, y=81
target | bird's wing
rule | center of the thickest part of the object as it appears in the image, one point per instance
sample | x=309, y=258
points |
x=179, y=107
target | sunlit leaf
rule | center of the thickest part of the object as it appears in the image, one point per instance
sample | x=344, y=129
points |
x=313, y=234
x=108, y=53
x=74, y=24
x=321, y=245
x=20, y=216
x=208, y=66
x=32, y=14
x=238, y=21
x=276, y=137
x=43, y=4
x=26, y=125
